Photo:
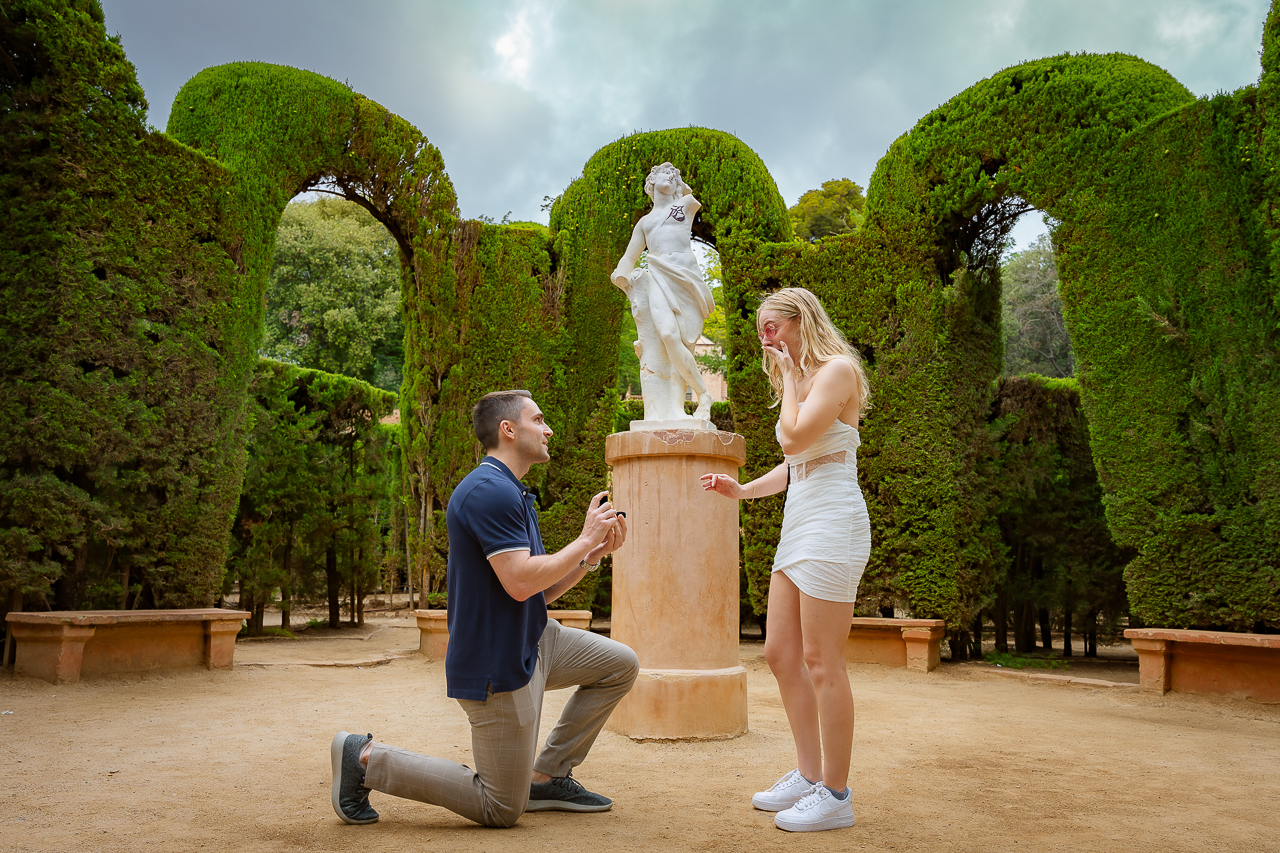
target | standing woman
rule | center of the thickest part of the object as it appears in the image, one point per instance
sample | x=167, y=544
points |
x=819, y=383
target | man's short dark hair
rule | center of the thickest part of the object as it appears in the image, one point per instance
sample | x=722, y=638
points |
x=492, y=410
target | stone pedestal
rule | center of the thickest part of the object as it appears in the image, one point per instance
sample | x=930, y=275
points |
x=675, y=584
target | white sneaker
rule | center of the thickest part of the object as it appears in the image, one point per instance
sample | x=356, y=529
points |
x=784, y=794
x=817, y=810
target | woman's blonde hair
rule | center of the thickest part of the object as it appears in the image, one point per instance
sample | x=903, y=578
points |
x=820, y=340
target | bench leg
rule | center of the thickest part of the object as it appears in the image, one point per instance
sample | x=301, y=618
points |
x=924, y=648
x=1154, y=657
x=50, y=652
x=220, y=643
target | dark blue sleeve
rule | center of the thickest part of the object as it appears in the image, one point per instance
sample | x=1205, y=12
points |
x=494, y=514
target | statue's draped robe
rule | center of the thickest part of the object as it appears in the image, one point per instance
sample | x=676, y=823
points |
x=677, y=279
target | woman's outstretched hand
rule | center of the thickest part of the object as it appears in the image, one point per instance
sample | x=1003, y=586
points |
x=722, y=484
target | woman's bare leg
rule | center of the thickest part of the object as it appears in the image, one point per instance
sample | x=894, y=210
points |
x=784, y=651
x=825, y=627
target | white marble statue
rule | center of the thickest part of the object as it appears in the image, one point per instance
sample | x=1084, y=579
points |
x=670, y=301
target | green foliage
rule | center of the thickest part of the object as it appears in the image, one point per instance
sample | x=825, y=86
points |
x=628, y=359
x=1035, y=333
x=128, y=334
x=1061, y=556
x=1171, y=299
x=285, y=131
x=497, y=322
x=1009, y=661
x=135, y=267
x=333, y=297
x=916, y=288
x=836, y=208
x=314, y=492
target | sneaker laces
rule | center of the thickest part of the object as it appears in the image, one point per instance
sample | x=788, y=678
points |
x=816, y=795
x=787, y=781
x=568, y=784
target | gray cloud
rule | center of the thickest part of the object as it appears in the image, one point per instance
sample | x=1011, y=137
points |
x=518, y=94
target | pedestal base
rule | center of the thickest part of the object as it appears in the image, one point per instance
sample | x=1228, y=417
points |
x=684, y=704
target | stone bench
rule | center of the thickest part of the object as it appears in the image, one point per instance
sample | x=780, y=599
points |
x=60, y=646
x=913, y=643
x=1218, y=663
x=433, y=625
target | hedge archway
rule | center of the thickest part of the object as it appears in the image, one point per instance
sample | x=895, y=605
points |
x=1173, y=324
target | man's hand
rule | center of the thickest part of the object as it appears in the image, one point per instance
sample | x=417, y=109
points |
x=602, y=517
x=603, y=528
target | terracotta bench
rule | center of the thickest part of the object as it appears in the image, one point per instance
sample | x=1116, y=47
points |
x=913, y=643
x=433, y=625
x=1218, y=663
x=62, y=645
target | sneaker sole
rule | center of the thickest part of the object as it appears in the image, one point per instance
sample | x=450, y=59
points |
x=562, y=806
x=335, y=761
x=833, y=822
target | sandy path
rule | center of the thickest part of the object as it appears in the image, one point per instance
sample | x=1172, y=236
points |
x=954, y=760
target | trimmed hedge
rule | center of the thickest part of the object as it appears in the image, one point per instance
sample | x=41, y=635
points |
x=500, y=322
x=1165, y=249
x=917, y=290
x=134, y=267
x=128, y=334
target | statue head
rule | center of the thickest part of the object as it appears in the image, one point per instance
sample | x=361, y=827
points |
x=677, y=182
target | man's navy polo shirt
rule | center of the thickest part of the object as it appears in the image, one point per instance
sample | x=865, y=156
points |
x=493, y=639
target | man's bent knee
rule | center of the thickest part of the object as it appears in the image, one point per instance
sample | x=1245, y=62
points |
x=630, y=665
x=502, y=818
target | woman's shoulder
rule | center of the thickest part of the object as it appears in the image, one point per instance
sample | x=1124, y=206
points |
x=838, y=369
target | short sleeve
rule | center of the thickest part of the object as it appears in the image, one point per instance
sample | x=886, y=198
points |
x=495, y=516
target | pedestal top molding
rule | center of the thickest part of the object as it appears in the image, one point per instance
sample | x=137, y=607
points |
x=676, y=442
x=673, y=424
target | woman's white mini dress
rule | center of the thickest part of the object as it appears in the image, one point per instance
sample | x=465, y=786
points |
x=826, y=534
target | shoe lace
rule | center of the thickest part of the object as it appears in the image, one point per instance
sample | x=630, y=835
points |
x=568, y=784
x=816, y=795
x=788, y=780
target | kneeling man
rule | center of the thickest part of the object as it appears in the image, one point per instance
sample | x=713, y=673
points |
x=503, y=651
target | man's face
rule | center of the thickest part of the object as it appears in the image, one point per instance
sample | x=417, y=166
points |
x=532, y=433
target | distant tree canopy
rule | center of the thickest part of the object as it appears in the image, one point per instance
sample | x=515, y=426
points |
x=835, y=209
x=1035, y=335
x=333, y=297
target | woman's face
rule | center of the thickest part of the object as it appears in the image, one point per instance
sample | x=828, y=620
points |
x=773, y=329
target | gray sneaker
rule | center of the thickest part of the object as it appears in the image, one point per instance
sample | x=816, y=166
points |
x=350, y=796
x=565, y=794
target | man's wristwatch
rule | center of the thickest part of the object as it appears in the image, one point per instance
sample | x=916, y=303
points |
x=583, y=564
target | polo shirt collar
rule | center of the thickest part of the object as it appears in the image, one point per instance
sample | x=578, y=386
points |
x=497, y=463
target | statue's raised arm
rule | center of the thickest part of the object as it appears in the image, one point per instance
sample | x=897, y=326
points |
x=669, y=299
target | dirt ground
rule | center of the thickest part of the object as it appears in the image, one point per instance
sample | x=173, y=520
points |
x=961, y=759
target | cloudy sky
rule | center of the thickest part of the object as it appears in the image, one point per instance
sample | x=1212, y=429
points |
x=518, y=94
